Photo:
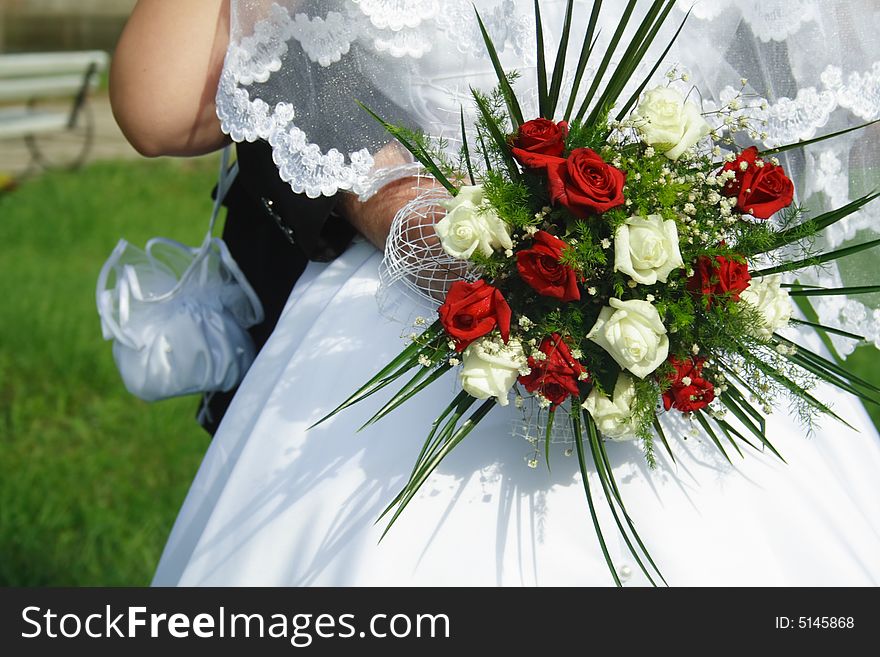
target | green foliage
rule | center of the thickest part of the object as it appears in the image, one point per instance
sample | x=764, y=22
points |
x=92, y=477
x=513, y=201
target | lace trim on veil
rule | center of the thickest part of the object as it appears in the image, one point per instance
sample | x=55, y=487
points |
x=403, y=28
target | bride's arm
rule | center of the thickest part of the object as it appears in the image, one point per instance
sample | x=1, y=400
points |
x=164, y=76
x=162, y=87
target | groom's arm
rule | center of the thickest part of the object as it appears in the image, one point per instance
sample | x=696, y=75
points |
x=164, y=76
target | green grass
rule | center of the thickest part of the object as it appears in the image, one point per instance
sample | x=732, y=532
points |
x=90, y=477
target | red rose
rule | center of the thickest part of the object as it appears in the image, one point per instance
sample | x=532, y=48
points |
x=585, y=183
x=539, y=137
x=719, y=276
x=471, y=310
x=539, y=266
x=689, y=390
x=761, y=189
x=555, y=377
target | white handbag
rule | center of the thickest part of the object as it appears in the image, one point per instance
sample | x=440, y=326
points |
x=177, y=315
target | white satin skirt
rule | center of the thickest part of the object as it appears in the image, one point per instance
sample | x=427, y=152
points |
x=275, y=504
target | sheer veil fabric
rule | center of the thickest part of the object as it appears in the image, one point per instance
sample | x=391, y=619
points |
x=274, y=504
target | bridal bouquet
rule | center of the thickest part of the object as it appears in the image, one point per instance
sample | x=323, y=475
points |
x=621, y=258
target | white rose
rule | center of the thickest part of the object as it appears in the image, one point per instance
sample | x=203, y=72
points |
x=613, y=417
x=664, y=119
x=631, y=331
x=646, y=249
x=490, y=368
x=470, y=224
x=771, y=300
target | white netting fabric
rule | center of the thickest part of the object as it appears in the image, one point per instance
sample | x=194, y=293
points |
x=415, y=266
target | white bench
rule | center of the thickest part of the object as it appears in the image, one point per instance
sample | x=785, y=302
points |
x=34, y=90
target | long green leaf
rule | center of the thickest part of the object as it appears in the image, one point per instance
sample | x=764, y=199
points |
x=658, y=429
x=728, y=430
x=559, y=64
x=599, y=446
x=459, y=404
x=796, y=389
x=829, y=329
x=835, y=291
x=747, y=423
x=402, y=363
x=431, y=441
x=466, y=149
x=827, y=364
x=744, y=403
x=419, y=382
x=585, y=477
x=834, y=381
x=604, y=480
x=817, y=260
x=516, y=116
x=807, y=142
x=633, y=54
x=419, y=153
x=543, y=91
x=606, y=60
x=485, y=150
x=711, y=433
x=586, y=51
x=742, y=417
x=496, y=134
x=419, y=479
x=823, y=221
x=550, y=416
x=635, y=96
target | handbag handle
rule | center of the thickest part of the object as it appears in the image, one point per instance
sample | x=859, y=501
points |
x=225, y=179
x=104, y=297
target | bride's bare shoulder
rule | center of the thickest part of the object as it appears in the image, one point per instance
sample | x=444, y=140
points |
x=164, y=76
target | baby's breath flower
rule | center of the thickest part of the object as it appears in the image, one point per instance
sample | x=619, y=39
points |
x=424, y=361
x=454, y=362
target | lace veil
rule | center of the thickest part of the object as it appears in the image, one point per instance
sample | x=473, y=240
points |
x=296, y=70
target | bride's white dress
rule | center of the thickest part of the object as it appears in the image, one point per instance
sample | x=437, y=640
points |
x=277, y=504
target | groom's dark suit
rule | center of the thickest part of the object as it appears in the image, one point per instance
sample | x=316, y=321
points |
x=272, y=233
